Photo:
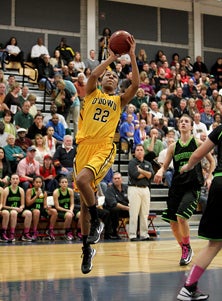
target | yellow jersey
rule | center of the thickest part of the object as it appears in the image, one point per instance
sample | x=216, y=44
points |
x=99, y=116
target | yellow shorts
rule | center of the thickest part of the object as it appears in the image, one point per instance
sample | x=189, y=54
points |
x=97, y=157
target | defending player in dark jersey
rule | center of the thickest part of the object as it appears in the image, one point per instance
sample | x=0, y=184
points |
x=185, y=188
x=210, y=224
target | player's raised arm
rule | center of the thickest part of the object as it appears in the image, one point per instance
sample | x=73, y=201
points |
x=131, y=90
x=97, y=72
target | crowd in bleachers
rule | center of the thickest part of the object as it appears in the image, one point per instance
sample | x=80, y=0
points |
x=36, y=144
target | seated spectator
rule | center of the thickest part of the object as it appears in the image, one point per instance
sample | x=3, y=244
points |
x=12, y=99
x=10, y=83
x=70, y=74
x=181, y=109
x=87, y=73
x=28, y=168
x=13, y=153
x=64, y=204
x=33, y=108
x=91, y=62
x=21, y=140
x=13, y=205
x=139, y=99
x=24, y=94
x=145, y=85
x=168, y=112
x=154, y=110
x=190, y=90
x=3, y=106
x=129, y=109
x=2, y=92
x=7, y=120
x=23, y=118
x=41, y=149
x=79, y=65
x=59, y=130
x=63, y=159
x=199, y=65
x=116, y=201
x=159, y=124
x=145, y=114
x=176, y=97
x=198, y=126
x=67, y=53
x=14, y=53
x=162, y=155
x=48, y=173
x=36, y=202
x=141, y=59
x=160, y=80
x=152, y=145
x=140, y=133
x=38, y=51
x=2, y=77
x=107, y=180
x=192, y=107
x=53, y=110
x=50, y=141
x=37, y=127
x=46, y=74
x=207, y=116
x=127, y=129
x=57, y=62
x=3, y=135
x=5, y=169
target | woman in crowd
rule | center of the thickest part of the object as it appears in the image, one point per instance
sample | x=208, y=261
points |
x=50, y=141
x=41, y=149
x=36, y=202
x=145, y=114
x=14, y=53
x=7, y=120
x=48, y=173
x=5, y=169
x=12, y=98
x=57, y=62
x=64, y=203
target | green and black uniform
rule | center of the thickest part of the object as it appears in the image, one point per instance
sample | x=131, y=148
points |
x=64, y=201
x=13, y=198
x=38, y=204
x=184, y=192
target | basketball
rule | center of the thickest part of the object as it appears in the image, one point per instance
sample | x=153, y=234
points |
x=118, y=42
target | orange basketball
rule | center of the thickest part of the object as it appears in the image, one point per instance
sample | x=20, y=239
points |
x=118, y=42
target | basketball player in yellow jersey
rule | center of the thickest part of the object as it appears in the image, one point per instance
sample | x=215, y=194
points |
x=96, y=151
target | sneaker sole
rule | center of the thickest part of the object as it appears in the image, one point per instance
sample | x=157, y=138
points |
x=90, y=269
x=89, y=241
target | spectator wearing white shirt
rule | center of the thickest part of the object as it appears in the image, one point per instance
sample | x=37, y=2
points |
x=38, y=51
x=198, y=126
x=162, y=155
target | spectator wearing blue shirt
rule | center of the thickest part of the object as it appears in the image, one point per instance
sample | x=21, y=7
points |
x=127, y=128
x=207, y=116
x=59, y=129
